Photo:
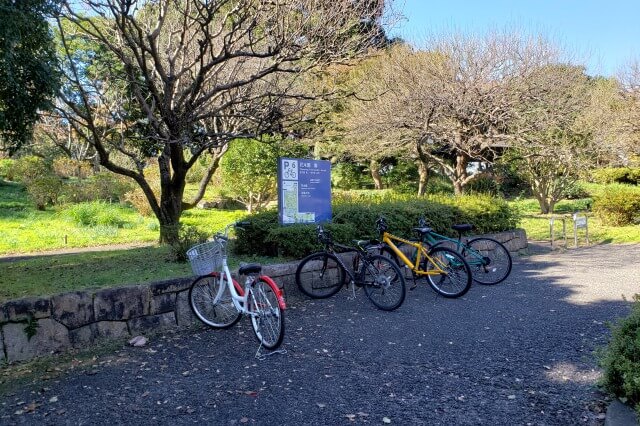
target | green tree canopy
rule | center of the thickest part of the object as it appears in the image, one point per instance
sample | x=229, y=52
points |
x=28, y=79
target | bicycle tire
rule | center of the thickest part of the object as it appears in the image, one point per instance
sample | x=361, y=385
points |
x=267, y=316
x=495, y=263
x=220, y=313
x=320, y=275
x=383, y=282
x=457, y=280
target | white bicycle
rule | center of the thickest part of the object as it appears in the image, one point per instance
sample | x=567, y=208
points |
x=219, y=301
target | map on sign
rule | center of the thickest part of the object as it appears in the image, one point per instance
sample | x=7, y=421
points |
x=304, y=188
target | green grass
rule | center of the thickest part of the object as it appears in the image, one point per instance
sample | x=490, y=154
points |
x=53, y=274
x=537, y=225
x=23, y=229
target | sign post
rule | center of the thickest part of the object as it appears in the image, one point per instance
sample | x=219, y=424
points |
x=304, y=191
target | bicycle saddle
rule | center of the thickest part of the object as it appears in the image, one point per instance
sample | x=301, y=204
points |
x=463, y=227
x=251, y=268
x=423, y=230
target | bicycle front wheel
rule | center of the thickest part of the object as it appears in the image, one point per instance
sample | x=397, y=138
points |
x=383, y=282
x=489, y=260
x=455, y=280
x=320, y=275
x=267, y=317
x=211, y=302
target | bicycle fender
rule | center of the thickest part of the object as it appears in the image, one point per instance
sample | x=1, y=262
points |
x=237, y=286
x=275, y=289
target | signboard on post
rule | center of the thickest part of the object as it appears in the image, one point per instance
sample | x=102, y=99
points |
x=304, y=191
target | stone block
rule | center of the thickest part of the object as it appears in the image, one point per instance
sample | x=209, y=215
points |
x=184, y=315
x=73, y=309
x=275, y=271
x=110, y=330
x=162, y=303
x=122, y=303
x=23, y=309
x=83, y=336
x=171, y=286
x=50, y=337
x=3, y=359
x=3, y=315
x=152, y=322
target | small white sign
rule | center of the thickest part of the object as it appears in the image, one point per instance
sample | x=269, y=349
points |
x=580, y=221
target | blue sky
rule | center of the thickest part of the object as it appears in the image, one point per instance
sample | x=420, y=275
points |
x=605, y=35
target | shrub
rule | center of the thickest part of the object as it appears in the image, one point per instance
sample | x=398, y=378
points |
x=621, y=358
x=188, y=236
x=357, y=220
x=97, y=213
x=109, y=186
x=483, y=185
x=66, y=167
x=103, y=186
x=5, y=166
x=617, y=175
x=575, y=192
x=44, y=190
x=27, y=168
x=619, y=205
x=137, y=198
x=346, y=175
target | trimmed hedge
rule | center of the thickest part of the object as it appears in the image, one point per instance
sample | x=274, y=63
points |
x=357, y=221
x=629, y=175
x=619, y=205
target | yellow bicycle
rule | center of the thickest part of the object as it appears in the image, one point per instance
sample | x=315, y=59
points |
x=447, y=271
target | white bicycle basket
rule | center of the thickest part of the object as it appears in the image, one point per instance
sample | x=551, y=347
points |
x=207, y=257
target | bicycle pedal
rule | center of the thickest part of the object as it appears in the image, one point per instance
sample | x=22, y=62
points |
x=413, y=287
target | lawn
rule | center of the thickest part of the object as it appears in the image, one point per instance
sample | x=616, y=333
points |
x=23, y=229
x=52, y=274
x=537, y=225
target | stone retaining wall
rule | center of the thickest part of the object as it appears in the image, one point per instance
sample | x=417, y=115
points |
x=82, y=318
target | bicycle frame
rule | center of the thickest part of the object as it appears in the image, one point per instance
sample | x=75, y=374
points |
x=240, y=295
x=472, y=256
x=389, y=239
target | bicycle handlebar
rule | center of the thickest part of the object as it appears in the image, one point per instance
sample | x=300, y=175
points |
x=381, y=224
x=224, y=235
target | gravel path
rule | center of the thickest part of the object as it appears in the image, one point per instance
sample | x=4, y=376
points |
x=520, y=352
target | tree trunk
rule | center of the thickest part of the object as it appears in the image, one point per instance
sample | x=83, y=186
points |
x=423, y=177
x=461, y=173
x=171, y=192
x=375, y=173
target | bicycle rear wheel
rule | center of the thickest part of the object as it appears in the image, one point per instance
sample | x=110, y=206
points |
x=211, y=302
x=383, y=282
x=320, y=275
x=456, y=279
x=267, y=317
x=489, y=260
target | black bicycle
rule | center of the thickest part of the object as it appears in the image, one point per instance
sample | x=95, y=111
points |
x=322, y=274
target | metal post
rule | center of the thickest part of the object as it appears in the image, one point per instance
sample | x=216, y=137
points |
x=551, y=230
x=586, y=228
x=564, y=230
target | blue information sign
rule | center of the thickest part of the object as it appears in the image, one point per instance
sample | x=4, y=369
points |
x=304, y=191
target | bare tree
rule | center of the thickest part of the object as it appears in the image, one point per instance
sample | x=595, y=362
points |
x=186, y=77
x=555, y=143
x=451, y=103
x=630, y=117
